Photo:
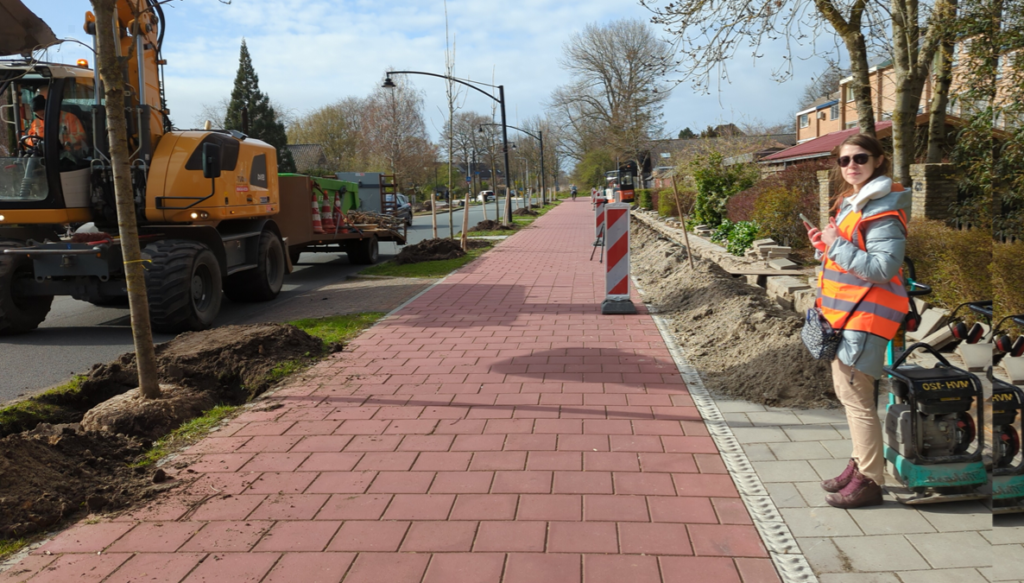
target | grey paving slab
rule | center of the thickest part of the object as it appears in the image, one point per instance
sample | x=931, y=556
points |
x=858, y=578
x=953, y=549
x=1002, y=535
x=891, y=518
x=784, y=471
x=889, y=553
x=811, y=432
x=942, y=576
x=822, y=555
x=839, y=448
x=759, y=452
x=1008, y=563
x=737, y=406
x=759, y=434
x=782, y=418
x=821, y=521
x=812, y=492
x=785, y=495
x=842, y=429
x=737, y=419
x=812, y=416
x=958, y=516
x=829, y=468
x=800, y=450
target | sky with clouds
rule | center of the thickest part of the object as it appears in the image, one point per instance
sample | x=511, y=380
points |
x=310, y=53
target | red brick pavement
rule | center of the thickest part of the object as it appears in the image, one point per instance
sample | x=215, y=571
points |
x=497, y=429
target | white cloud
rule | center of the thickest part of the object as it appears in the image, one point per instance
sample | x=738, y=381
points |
x=312, y=52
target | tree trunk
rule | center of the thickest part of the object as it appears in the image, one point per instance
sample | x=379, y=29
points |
x=943, y=68
x=433, y=211
x=857, y=48
x=117, y=134
x=465, y=225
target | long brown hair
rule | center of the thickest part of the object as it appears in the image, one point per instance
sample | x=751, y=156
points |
x=840, y=188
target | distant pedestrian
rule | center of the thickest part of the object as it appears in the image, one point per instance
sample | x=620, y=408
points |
x=862, y=294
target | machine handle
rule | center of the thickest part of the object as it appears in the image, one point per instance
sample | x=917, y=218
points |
x=914, y=347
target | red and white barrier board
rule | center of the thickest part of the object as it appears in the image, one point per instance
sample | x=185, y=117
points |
x=598, y=219
x=617, y=265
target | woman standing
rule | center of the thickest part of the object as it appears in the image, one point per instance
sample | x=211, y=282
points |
x=861, y=292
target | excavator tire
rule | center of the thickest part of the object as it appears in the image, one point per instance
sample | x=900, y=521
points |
x=364, y=251
x=184, y=285
x=18, y=315
x=264, y=282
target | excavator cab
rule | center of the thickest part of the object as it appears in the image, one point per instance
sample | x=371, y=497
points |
x=47, y=114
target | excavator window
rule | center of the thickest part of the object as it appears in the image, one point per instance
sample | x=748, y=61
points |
x=228, y=152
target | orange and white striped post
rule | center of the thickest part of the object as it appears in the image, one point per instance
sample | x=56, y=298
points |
x=326, y=215
x=617, y=268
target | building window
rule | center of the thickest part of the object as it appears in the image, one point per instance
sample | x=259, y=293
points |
x=805, y=120
x=835, y=112
x=850, y=96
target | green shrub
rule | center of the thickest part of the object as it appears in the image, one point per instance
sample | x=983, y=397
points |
x=643, y=197
x=666, y=200
x=716, y=183
x=956, y=263
x=777, y=211
x=738, y=237
x=1008, y=278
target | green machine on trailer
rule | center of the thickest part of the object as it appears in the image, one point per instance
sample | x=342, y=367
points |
x=326, y=215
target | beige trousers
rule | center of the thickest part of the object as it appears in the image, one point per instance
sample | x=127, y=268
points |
x=858, y=398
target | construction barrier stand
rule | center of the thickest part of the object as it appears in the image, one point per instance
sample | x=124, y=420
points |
x=598, y=219
x=617, y=267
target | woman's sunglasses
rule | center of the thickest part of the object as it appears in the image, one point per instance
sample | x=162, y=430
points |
x=858, y=159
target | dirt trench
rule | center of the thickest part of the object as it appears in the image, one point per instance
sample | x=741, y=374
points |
x=742, y=343
x=54, y=471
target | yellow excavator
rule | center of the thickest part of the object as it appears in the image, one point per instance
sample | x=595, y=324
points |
x=205, y=199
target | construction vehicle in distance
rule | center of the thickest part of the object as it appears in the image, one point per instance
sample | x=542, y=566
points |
x=207, y=201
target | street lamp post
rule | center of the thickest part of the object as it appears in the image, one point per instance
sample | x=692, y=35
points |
x=539, y=138
x=389, y=84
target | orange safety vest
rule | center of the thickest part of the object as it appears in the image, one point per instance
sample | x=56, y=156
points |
x=882, y=306
x=72, y=133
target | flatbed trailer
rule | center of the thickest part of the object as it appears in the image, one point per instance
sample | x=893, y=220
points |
x=349, y=230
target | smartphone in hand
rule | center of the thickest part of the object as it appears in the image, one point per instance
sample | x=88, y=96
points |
x=807, y=222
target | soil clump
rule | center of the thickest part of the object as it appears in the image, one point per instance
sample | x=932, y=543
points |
x=525, y=212
x=743, y=344
x=430, y=250
x=54, y=471
x=490, y=225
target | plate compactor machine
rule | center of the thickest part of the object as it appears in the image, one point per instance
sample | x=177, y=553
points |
x=205, y=200
x=1007, y=461
x=932, y=438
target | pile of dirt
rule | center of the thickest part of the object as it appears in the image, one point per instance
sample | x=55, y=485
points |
x=525, y=212
x=361, y=218
x=490, y=225
x=742, y=343
x=430, y=250
x=231, y=364
x=54, y=471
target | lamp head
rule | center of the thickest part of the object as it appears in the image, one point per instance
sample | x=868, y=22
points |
x=388, y=83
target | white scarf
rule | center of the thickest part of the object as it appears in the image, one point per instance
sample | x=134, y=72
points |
x=873, y=190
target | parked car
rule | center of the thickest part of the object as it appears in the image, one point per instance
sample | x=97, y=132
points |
x=485, y=196
x=403, y=209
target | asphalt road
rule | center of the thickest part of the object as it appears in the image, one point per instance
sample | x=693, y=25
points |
x=77, y=334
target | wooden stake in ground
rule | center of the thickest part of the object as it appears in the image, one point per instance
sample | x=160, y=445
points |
x=465, y=224
x=679, y=209
x=117, y=134
x=433, y=212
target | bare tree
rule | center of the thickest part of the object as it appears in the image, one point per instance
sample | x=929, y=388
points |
x=914, y=49
x=394, y=132
x=337, y=128
x=617, y=89
x=823, y=84
x=117, y=133
x=706, y=45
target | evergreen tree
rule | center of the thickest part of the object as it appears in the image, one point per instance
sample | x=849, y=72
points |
x=686, y=134
x=263, y=122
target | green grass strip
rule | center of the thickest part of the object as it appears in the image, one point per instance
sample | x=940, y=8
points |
x=186, y=434
x=46, y=407
x=338, y=328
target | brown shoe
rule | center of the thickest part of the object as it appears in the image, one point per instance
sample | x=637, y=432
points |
x=861, y=491
x=839, y=482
